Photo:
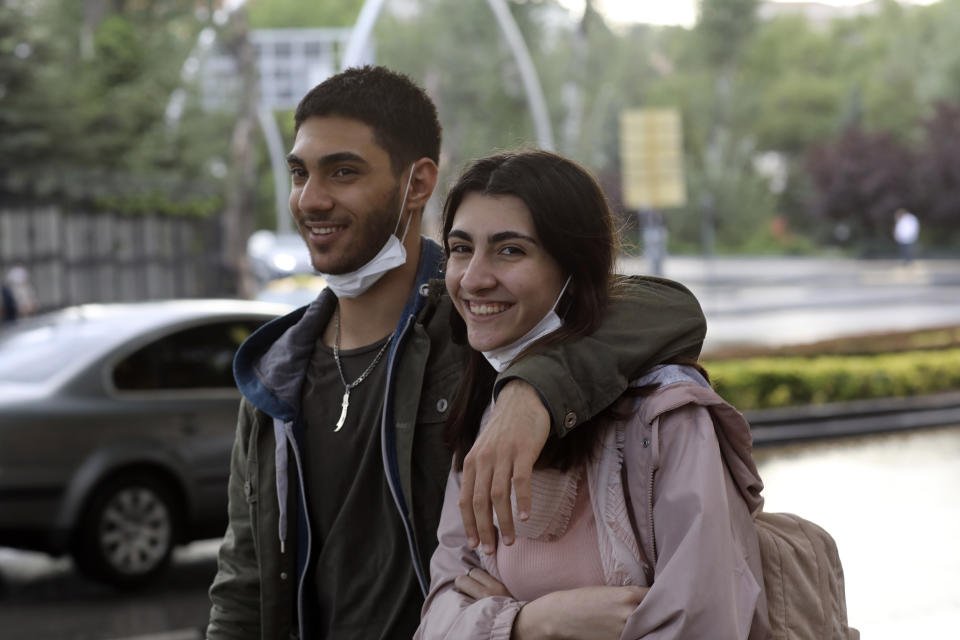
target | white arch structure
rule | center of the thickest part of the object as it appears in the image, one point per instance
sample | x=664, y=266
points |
x=353, y=56
x=511, y=33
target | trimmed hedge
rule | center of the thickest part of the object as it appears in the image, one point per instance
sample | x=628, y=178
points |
x=945, y=337
x=771, y=382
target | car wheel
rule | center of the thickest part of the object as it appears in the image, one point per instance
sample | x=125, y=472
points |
x=128, y=530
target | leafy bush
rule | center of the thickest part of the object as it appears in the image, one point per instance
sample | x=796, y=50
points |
x=769, y=382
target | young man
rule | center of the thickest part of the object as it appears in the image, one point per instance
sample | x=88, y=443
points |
x=339, y=465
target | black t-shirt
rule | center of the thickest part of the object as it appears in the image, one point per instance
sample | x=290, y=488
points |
x=363, y=578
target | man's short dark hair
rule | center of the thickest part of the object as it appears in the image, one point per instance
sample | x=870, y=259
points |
x=401, y=114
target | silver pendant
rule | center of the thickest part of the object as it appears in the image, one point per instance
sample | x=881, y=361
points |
x=343, y=410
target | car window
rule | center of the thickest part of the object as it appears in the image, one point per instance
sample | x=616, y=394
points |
x=35, y=349
x=195, y=358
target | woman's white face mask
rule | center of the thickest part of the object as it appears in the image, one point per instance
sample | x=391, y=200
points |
x=501, y=357
x=392, y=255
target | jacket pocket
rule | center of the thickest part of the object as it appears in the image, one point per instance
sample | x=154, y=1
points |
x=436, y=397
x=431, y=458
x=251, y=481
x=436, y=401
x=251, y=475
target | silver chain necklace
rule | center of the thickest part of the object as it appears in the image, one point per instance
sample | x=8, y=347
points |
x=363, y=376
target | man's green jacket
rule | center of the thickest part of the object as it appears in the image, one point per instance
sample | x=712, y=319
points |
x=257, y=592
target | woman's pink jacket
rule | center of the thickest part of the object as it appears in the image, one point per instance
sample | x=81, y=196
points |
x=693, y=488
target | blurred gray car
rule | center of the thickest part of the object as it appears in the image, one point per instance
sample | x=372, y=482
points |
x=116, y=423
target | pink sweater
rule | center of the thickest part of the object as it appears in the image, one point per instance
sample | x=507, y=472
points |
x=534, y=567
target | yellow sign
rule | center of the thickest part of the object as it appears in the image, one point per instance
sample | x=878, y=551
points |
x=651, y=158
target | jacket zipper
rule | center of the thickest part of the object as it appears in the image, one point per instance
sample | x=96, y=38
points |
x=303, y=505
x=653, y=539
x=394, y=490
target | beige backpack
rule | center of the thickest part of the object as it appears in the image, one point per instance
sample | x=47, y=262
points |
x=803, y=579
x=802, y=576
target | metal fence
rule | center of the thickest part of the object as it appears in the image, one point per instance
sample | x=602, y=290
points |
x=75, y=257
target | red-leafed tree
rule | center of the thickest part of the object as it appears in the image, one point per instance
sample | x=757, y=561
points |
x=861, y=179
x=938, y=175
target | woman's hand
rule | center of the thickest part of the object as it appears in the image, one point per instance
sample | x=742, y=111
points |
x=478, y=584
x=587, y=613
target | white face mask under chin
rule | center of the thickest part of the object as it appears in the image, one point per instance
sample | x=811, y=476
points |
x=392, y=255
x=501, y=357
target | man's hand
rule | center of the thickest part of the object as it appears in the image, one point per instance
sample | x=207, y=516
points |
x=503, y=455
x=478, y=584
x=587, y=613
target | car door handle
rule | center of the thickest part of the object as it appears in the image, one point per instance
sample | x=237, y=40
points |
x=188, y=425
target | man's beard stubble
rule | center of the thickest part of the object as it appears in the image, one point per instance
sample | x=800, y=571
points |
x=377, y=227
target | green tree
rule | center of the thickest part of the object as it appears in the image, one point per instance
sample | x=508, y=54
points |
x=723, y=27
x=792, y=95
x=723, y=30
x=85, y=118
x=284, y=14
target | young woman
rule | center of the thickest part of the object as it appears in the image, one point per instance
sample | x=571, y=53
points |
x=641, y=520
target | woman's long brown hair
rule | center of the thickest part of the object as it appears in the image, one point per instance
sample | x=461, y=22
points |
x=573, y=222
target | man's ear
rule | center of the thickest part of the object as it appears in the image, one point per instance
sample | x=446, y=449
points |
x=424, y=181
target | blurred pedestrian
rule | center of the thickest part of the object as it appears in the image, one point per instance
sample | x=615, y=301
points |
x=655, y=241
x=18, y=281
x=906, y=228
x=8, y=306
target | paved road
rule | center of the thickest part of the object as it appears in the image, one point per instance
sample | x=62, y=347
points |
x=775, y=301
x=44, y=599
